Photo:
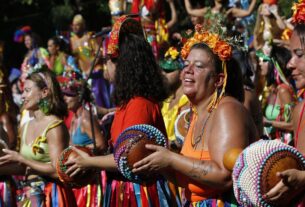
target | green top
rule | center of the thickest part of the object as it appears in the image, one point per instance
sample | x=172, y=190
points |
x=39, y=149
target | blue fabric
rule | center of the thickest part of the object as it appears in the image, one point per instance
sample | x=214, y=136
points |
x=80, y=138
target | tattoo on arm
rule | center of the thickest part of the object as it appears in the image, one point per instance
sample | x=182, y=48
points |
x=199, y=170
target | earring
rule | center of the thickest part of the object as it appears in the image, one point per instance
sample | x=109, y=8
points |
x=44, y=105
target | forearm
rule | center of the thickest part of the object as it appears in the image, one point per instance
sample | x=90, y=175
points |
x=279, y=21
x=282, y=125
x=204, y=172
x=173, y=15
x=40, y=168
x=105, y=162
x=191, y=11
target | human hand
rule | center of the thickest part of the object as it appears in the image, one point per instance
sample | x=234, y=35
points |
x=267, y=121
x=77, y=164
x=11, y=156
x=292, y=184
x=155, y=162
x=273, y=9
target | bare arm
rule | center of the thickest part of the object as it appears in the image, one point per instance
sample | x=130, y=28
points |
x=101, y=143
x=8, y=125
x=173, y=14
x=231, y=133
x=237, y=12
x=84, y=161
x=194, y=12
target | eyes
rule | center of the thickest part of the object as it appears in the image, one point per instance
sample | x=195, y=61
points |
x=299, y=52
x=196, y=64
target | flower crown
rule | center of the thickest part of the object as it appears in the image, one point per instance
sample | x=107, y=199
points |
x=298, y=16
x=219, y=45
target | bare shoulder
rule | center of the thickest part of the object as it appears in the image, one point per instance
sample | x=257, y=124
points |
x=229, y=105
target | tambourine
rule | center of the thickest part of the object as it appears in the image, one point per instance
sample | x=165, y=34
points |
x=182, y=125
x=254, y=172
x=80, y=179
x=130, y=148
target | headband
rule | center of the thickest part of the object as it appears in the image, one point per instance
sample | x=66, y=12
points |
x=123, y=25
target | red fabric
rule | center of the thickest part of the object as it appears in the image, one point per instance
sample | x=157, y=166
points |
x=68, y=119
x=139, y=110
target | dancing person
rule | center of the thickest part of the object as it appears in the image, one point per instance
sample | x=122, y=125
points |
x=139, y=88
x=42, y=140
x=212, y=82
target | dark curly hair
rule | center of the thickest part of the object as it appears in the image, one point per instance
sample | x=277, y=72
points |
x=137, y=73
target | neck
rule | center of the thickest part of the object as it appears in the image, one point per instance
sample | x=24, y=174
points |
x=217, y=6
x=202, y=105
x=38, y=115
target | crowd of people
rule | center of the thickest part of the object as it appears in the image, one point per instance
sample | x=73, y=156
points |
x=234, y=74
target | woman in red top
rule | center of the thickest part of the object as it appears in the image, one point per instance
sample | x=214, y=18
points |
x=138, y=90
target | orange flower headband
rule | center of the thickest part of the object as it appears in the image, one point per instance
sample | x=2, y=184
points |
x=298, y=16
x=220, y=47
x=123, y=25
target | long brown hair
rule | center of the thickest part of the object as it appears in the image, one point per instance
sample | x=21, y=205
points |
x=44, y=78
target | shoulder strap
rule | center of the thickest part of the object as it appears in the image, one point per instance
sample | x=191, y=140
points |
x=51, y=126
x=299, y=126
x=24, y=131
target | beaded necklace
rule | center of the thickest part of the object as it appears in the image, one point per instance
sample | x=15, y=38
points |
x=199, y=137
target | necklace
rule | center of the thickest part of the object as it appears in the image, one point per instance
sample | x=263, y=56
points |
x=199, y=137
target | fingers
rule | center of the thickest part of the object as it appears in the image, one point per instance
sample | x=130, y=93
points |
x=71, y=170
x=77, y=171
x=142, y=162
x=153, y=147
x=143, y=168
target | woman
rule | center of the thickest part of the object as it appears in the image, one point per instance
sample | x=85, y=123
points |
x=81, y=134
x=213, y=84
x=281, y=98
x=269, y=25
x=36, y=55
x=42, y=140
x=139, y=88
x=59, y=61
x=292, y=181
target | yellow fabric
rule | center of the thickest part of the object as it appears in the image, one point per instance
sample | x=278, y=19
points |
x=39, y=149
x=170, y=115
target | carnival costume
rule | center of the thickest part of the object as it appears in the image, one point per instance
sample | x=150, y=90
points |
x=41, y=191
x=90, y=194
x=198, y=195
x=84, y=49
x=138, y=110
x=273, y=110
x=171, y=63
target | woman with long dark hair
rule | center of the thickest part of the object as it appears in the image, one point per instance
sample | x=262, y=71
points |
x=139, y=88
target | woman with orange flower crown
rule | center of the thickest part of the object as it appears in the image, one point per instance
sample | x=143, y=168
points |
x=139, y=87
x=293, y=181
x=212, y=82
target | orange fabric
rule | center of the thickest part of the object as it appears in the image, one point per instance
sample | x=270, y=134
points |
x=138, y=110
x=193, y=190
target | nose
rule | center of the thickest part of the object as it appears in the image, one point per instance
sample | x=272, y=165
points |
x=291, y=63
